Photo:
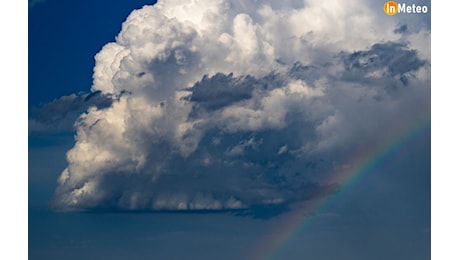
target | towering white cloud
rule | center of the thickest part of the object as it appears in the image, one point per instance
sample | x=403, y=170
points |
x=227, y=104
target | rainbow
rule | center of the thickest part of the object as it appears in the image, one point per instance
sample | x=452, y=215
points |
x=363, y=162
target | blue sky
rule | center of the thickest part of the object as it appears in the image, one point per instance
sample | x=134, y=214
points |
x=64, y=36
x=224, y=123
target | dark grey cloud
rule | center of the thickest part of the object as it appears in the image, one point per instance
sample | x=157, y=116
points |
x=60, y=114
x=221, y=90
x=401, y=29
x=385, y=60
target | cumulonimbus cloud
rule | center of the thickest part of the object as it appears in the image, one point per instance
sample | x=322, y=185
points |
x=227, y=104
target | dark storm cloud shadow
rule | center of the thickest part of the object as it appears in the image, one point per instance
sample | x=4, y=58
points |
x=388, y=63
x=261, y=212
x=308, y=73
x=220, y=90
x=59, y=115
x=401, y=29
x=302, y=194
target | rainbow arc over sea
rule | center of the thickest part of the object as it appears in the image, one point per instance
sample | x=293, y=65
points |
x=362, y=162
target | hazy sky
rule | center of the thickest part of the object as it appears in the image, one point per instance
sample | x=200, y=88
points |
x=228, y=130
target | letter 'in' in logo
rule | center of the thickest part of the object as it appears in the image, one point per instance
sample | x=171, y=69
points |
x=390, y=8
